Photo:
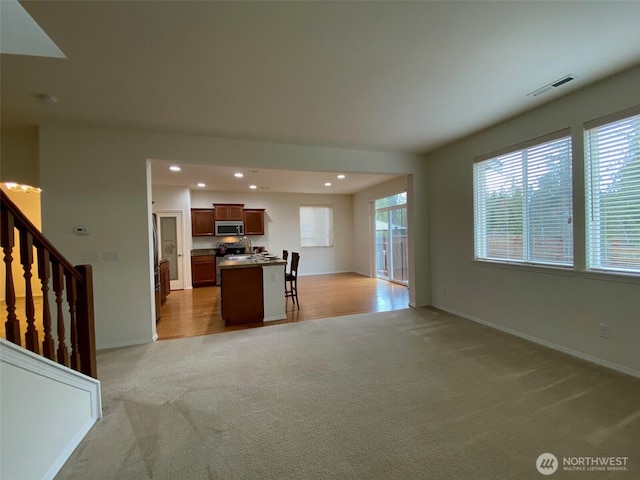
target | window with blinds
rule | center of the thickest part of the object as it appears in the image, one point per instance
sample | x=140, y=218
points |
x=316, y=226
x=523, y=203
x=612, y=155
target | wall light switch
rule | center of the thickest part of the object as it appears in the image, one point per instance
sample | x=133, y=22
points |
x=91, y=257
x=111, y=256
x=81, y=230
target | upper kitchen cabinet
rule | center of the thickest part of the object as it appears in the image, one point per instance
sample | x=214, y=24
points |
x=228, y=211
x=254, y=221
x=202, y=222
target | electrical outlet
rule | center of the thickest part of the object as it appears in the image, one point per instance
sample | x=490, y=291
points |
x=605, y=331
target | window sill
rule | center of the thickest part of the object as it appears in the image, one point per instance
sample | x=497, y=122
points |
x=610, y=276
x=607, y=276
x=528, y=267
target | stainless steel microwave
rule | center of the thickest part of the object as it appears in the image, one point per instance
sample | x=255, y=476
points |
x=226, y=228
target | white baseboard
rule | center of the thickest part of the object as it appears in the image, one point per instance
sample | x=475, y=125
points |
x=546, y=343
x=362, y=273
x=130, y=343
x=308, y=274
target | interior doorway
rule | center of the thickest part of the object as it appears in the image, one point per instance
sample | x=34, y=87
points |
x=170, y=236
x=391, y=252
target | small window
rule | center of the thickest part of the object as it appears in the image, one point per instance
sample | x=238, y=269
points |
x=523, y=204
x=612, y=155
x=316, y=226
x=393, y=200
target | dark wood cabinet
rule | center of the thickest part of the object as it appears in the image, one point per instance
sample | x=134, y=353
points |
x=203, y=270
x=202, y=222
x=228, y=211
x=165, y=280
x=241, y=295
x=203, y=219
x=254, y=221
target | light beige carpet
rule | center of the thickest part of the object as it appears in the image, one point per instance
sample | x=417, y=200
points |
x=410, y=394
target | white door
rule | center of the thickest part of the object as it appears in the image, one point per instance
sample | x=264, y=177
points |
x=170, y=235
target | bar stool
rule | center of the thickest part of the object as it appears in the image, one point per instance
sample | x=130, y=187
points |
x=291, y=279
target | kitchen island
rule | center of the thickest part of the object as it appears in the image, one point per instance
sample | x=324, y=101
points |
x=252, y=289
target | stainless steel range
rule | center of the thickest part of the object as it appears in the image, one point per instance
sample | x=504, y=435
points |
x=224, y=249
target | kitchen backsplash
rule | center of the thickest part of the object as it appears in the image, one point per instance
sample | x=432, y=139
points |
x=212, y=242
x=204, y=242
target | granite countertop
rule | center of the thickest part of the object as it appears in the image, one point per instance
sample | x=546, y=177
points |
x=203, y=251
x=252, y=262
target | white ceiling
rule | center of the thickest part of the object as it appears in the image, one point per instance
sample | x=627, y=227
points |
x=399, y=76
x=266, y=180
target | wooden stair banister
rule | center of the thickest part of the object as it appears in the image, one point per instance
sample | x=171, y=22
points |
x=73, y=285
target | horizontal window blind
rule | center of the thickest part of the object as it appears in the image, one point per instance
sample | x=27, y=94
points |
x=523, y=205
x=316, y=226
x=612, y=155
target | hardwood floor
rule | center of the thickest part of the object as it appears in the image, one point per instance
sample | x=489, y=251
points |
x=189, y=313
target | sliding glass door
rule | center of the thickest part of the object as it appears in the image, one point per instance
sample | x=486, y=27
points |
x=391, y=238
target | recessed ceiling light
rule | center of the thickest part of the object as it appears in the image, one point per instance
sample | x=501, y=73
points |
x=253, y=187
x=201, y=185
x=175, y=168
x=327, y=184
x=238, y=175
x=341, y=176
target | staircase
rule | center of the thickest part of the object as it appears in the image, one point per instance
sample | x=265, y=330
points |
x=67, y=295
x=48, y=378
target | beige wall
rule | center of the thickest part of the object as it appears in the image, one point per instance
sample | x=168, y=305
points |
x=19, y=156
x=559, y=308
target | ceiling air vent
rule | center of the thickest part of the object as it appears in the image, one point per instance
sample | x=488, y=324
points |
x=551, y=86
